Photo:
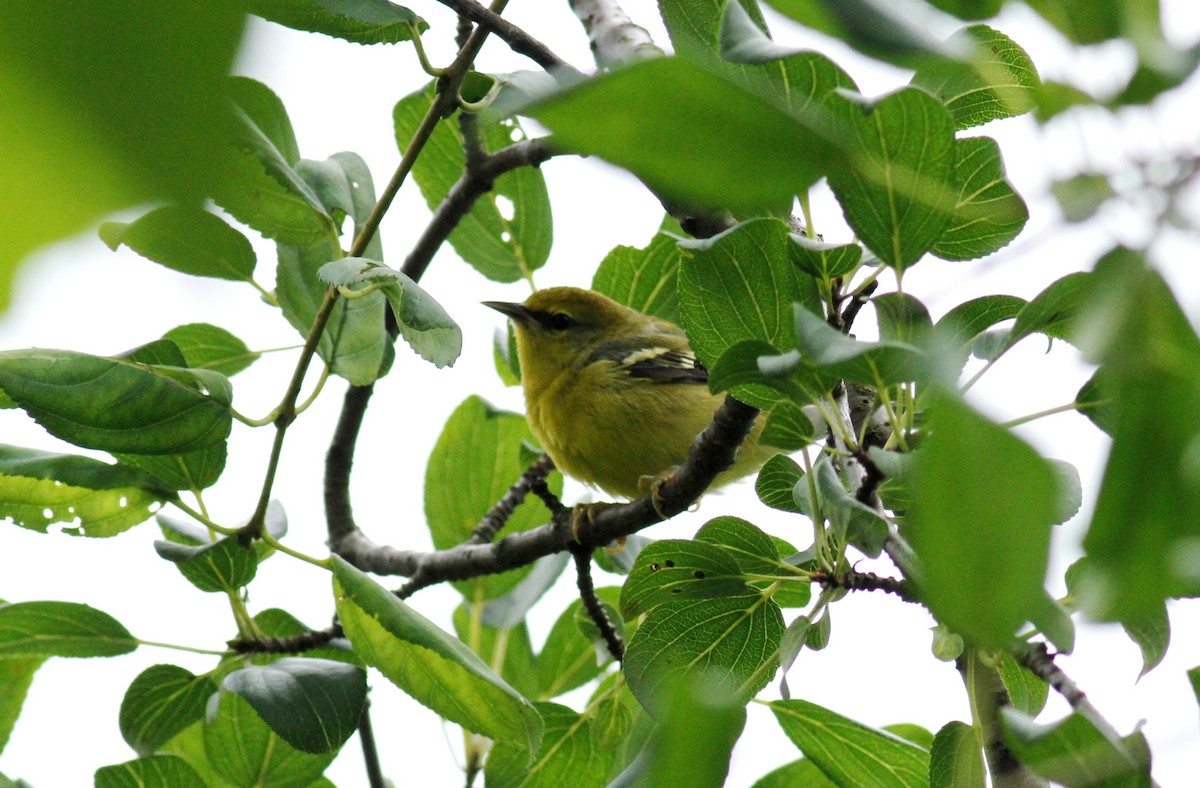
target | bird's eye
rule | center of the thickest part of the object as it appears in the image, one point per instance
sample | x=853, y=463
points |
x=560, y=321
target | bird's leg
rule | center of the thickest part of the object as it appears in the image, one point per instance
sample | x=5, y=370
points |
x=653, y=485
x=585, y=513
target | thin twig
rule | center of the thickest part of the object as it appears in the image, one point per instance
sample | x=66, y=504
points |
x=865, y=581
x=591, y=603
x=366, y=735
x=474, y=182
x=517, y=39
x=495, y=519
x=296, y=644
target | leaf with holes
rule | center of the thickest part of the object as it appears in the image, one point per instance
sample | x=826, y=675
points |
x=731, y=641
x=508, y=232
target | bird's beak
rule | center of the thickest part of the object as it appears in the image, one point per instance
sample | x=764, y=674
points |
x=517, y=312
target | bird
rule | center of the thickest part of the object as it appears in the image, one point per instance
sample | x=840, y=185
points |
x=613, y=395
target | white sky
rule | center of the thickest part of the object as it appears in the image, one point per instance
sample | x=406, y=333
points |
x=877, y=669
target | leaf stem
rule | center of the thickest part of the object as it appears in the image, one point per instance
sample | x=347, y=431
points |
x=1068, y=407
x=177, y=647
x=322, y=563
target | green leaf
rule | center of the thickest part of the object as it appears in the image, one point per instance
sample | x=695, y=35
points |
x=570, y=754
x=657, y=118
x=825, y=260
x=511, y=609
x=242, y=750
x=1081, y=197
x=313, y=704
x=644, y=279
x=436, y=669
x=947, y=646
x=16, y=674
x=225, y=565
x=1027, y=691
x=956, y=758
x=1054, y=311
x=189, y=240
x=568, y=658
x=61, y=629
x=422, y=321
x=800, y=772
x=504, y=355
x=205, y=346
x=851, y=519
x=969, y=9
x=114, y=405
x=997, y=81
x=354, y=342
x=1073, y=751
x=156, y=771
x=1095, y=400
x=789, y=79
x=989, y=213
x=510, y=646
x=911, y=732
x=675, y=570
x=902, y=318
x=966, y=523
x=266, y=111
x=1194, y=678
x=161, y=702
x=276, y=623
x=508, y=232
x=1055, y=98
x=971, y=318
x=756, y=554
x=1146, y=523
x=476, y=459
x=776, y=481
x=93, y=498
x=732, y=642
x=1152, y=633
x=741, y=285
x=358, y=21
x=1084, y=21
x=694, y=25
x=1053, y=621
x=817, y=636
x=194, y=470
x=73, y=105
x=873, y=27
x=899, y=193
x=700, y=723
x=848, y=752
x=788, y=428
x=839, y=357
x=263, y=191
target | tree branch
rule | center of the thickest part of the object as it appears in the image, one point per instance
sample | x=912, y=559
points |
x=517, y=39
x=495, y=519
x=591, y=603
x=613, y=36
x=865, y=581
x=474, y=182
x=712, y=452
x=988, y=695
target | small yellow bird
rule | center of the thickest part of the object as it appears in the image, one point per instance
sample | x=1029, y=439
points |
x=615, y=397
